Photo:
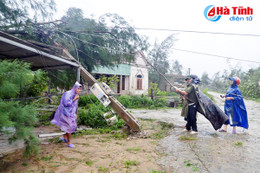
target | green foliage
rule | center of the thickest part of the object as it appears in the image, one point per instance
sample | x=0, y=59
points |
x=93, y=116
x=194, y=166
x=119, y=124
x=159, y=135
x=172, y=94
x=62, y=78
x=38, y=84
x=119, y=135
x=110, y=81
x=249, y=84
x=17, y=80
x=119, y=37
x=89, y=162
x=156, y=90
x=165, y=125
x=249, y=81
x=159, y=59
x=16, y=119
x=142, y=101
x=17, y=13
x=134, y=149
x=22, y=119
x=129, y=163
x=101, y=169
x=205, y=91
x=46, y=158
x=239, y=144
x=205, y=80
x=13, y=77
x=176, y=68
x=88, y=100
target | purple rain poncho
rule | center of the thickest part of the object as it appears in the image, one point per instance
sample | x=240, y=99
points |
x=65, y=116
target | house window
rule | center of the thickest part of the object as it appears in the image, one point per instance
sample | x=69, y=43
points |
x=139, y=82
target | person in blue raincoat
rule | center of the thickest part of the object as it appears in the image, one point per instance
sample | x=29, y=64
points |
x=235, y=107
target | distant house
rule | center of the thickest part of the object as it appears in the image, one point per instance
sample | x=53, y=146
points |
x=133, y=77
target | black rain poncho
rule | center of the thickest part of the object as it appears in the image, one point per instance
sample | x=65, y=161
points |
x=210, y=110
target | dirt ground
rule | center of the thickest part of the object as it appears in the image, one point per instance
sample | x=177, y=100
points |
x=96, y=153
x=167, y=151
x=209, y=151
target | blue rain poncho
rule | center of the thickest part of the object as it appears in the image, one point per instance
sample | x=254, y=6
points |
x=236, y=109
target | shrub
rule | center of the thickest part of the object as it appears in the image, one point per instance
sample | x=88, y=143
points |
x=142, y=101
x=205, y=91
x=87, y=100
x=93, y=116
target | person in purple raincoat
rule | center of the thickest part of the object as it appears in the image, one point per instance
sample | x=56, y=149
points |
x=66, y=114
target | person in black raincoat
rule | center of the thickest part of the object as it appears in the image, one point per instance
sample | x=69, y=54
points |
x=190, y=94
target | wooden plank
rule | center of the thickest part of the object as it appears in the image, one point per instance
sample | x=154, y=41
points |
x=51, y=134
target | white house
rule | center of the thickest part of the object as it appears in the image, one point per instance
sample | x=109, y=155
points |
x=133, y=76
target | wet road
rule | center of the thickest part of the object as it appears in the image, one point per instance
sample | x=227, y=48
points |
x=211, y=151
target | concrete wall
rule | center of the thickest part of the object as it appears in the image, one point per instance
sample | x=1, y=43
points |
x=6, y=147
x=143, y=71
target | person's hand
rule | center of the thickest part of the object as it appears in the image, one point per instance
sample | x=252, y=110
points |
x=76, y=97
x=76, y=116
x=177, y=90
x=229, y=98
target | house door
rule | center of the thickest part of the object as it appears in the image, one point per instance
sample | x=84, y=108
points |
x=118, y=86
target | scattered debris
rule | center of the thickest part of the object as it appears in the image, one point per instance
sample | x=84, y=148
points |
x=110, y=118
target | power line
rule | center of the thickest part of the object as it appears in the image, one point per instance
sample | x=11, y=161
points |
x=220, y=56
x=198, y=32
x=201, y=53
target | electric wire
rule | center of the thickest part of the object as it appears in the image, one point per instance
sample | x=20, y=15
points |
x=220, y=56
x=208, y=54
x=183, y=50
x=198, y=32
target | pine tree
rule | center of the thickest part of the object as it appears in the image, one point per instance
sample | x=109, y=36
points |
x=17, y=119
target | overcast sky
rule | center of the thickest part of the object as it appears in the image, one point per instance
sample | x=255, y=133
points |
x=186, y=15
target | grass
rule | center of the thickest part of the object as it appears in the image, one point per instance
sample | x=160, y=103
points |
x=189, y=164
x=186, y=138
x=165, y=125
x=239, y=144
x=104, y=140
x=25, y=164
x=118, y=135
x=205, y=91
x=148, y=119
x=154, y=171
x=129, y=163
x=89, y=162
x=55, y=140
x=46, y=158
x=101, y=169
x=87, y=132
x=159, y=135
x=133, y=150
